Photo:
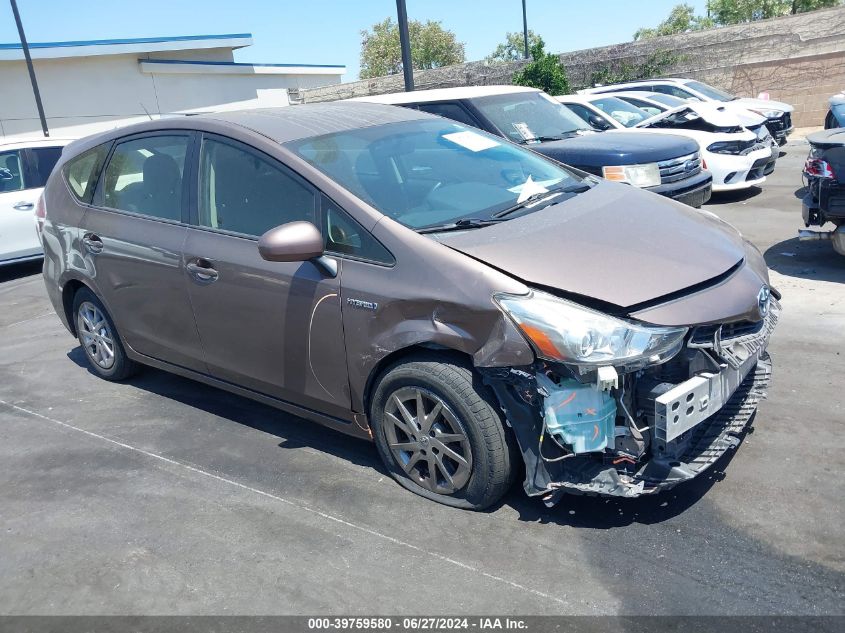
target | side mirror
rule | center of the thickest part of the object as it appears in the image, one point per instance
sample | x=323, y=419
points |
x=599, y=123
x=291, y=242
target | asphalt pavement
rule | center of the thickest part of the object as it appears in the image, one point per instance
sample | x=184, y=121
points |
x=165, y=496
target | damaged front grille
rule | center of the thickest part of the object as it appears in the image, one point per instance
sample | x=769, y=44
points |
x=679, y=168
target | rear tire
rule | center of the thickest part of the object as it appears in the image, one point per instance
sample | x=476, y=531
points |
x=99, y=338
x=441, y=435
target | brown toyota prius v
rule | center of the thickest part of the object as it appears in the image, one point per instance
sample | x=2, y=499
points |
x=480, y=311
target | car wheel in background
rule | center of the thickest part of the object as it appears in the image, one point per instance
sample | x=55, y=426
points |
x=440, y=434
x=99, y=338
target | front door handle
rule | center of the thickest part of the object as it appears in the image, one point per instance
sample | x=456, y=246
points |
x=23, y=206
x=93, y=243
x=202, y=270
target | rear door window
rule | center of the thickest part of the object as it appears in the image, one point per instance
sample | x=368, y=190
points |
x=41, y=162
x=243, y=191
x=11, y=172
x=145, y=176
x=81, y=172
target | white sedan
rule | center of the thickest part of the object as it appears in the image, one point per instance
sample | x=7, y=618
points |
x=24, y=168
x=737, y=157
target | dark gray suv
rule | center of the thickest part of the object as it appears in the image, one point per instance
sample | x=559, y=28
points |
x=477, y=310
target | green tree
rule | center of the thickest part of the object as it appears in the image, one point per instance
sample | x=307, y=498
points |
x=738, y=11
x=544, y=71
x=681, y=19
x=432, y=46
x=513, y=47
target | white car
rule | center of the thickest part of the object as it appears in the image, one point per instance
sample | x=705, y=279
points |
x=24, y=168
x=737, y=157
x=778, y=114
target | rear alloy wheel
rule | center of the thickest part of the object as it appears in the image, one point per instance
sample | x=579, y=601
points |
x=99, y=338
x=440, y=434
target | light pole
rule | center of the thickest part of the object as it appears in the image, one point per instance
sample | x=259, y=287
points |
x=29, y=67
x=525, y=28
x=405, y=44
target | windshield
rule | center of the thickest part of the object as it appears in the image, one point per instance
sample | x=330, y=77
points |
x=669, y=100
x=530, y=116
x=622, y=111
x=710, y=91
x=426, y=173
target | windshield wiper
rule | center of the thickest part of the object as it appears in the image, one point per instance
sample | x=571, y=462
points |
x=580, y=187
x=459, y=225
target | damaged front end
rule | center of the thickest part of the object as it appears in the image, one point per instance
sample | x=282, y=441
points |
x=639, y=424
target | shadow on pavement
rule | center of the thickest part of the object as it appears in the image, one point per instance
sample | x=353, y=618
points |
x=293, y=431
x=11, y=272
x=727, y=197
x=809, y=260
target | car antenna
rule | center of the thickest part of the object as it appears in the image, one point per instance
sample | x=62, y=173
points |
x=140, y=103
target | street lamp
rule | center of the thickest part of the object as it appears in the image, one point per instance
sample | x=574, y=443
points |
x=405, y=44
x=30, y=68
x=525, y=29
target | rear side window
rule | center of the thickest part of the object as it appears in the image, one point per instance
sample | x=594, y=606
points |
x=450, y=111
x=144, y=176
x=11, y=172
x=244, y=192
x=81, y=172
x=344, y=236
x=41, y=163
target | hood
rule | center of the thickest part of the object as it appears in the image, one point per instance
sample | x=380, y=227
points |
x=616, y=147
x=614, y=243
x=715, y=113
x=760, y=104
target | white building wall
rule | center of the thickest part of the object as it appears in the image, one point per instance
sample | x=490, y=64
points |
x=84, y=95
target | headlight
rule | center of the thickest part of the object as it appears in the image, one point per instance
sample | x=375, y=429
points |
x=566, y=332
x=730, y=147
x=647, y=175
x=769, y=114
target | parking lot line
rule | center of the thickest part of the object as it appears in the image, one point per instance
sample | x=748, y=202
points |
x=287, y=502
x=38, y=316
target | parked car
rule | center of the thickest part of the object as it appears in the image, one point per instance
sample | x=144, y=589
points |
x=778, y=114
x=24, y=168
x=825, y=198
x=464, y=302
x=836, y=114
x=527, y=116
x=737, y=157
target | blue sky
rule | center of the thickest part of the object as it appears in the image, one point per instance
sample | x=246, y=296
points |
x=328, y=31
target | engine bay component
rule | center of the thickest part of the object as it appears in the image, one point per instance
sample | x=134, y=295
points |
x=578, y=416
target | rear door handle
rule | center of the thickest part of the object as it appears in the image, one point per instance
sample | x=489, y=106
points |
x=93, y=243
x=23, y=205
x=202, y=270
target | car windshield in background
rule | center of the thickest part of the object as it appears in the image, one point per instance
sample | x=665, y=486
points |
x=627, y=114
x=710, y=91
x=669, y=100
x=525, y=117
x=429, y=173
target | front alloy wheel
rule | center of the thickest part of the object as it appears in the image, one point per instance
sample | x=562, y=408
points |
x=427, y=440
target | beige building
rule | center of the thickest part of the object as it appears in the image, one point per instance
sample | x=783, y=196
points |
x=88, y=86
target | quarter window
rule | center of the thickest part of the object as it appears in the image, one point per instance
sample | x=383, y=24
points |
x=244, y=192
x=11, y=172
x=345, y=236
x=81, y=172
x=145, y=176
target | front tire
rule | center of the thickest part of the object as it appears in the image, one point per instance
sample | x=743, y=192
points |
x=441, y=435
x=99, y=338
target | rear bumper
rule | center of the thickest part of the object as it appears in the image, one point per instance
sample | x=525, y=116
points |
x=693, y=191
x=825, y=204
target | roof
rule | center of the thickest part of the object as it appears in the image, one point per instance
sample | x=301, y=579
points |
x=39, y=141
x=443, y=94
x=282, y=124
x=575, y=98
x=86, y=48
x=635, y=82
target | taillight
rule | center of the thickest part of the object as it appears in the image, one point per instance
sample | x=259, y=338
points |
x=818, y=168
x=40, y=215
